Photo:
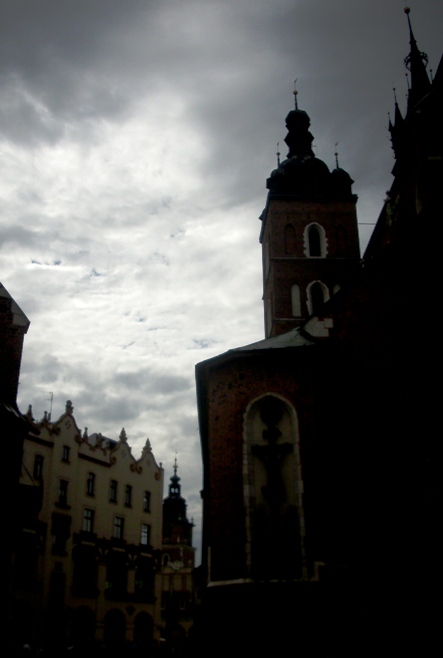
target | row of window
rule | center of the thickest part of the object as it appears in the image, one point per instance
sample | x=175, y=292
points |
x=90, y=488
x=113, y=490
x=118, y=528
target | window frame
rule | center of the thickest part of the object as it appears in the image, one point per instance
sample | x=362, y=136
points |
x=63, y=492
x=147, y=501
x=113, y=491
x=128, y=495
x=38, y=467
x=145, y=534
x=118, y=528
x=90, y=484
x=88, y=519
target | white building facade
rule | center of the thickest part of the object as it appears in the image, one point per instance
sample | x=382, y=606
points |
x=87, y=554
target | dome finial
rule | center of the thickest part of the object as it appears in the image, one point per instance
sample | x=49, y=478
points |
x=278, y=154
x=336, y=156
x=295, y=92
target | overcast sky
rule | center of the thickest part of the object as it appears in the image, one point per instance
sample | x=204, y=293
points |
x=136, y=137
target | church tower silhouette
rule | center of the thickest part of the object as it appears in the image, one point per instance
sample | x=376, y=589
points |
x=309, y=232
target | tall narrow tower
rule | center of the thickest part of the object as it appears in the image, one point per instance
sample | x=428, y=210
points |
x=309, y=232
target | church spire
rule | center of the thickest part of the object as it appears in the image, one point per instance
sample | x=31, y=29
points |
x=416, y=63
x=175, y=487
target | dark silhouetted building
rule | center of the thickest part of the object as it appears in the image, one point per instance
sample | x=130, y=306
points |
x=319, y=444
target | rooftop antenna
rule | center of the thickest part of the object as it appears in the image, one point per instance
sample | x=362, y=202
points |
x=51, y=397
x=336, y=156
x=295, y=92
x=278, y=154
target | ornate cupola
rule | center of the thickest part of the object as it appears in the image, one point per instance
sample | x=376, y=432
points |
x=309, y=231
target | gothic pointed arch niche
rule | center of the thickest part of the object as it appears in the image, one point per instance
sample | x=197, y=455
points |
x=273, y=490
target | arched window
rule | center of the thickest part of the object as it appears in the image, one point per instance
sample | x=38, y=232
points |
x=290, y=242
x=315, y=241
x=318, y=294
x=295, y=301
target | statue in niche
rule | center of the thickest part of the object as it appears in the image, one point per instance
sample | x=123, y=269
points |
x=275, y=524
x=273, y=454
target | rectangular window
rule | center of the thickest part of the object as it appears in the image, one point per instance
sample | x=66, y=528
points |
x=63, y=492
x=147, y=501
x=145, y=537
x=88, y=520
x=38, y=467
x=118, y=527
x=90, y=484
x=65, y=453
x=128, y=495
x=113, y=486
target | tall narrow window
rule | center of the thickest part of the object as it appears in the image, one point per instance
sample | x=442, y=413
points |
x=128, y=495
x=38, y=467
x=88, y=520
x=90, y=484
x=65, y=454
x=145, y=536
x=295, y=301
x=113, y=486
x=118, y=527
x=314, y=241
x=63, y=492
x=318, y=294
x=147, y=501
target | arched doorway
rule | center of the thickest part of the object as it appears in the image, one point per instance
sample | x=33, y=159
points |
x=115, y=630
x=143, y=631
x=83, y=627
